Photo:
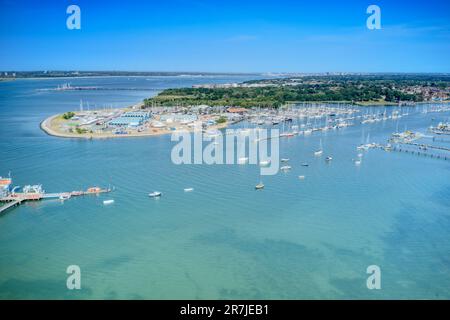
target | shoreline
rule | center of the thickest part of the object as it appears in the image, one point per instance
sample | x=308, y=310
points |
x=50, y=128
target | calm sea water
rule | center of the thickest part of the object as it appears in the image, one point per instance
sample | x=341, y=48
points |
x=295, y=239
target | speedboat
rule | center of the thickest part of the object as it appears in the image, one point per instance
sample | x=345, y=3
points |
x=284, y=159
x=301, y=177
x=304, y=164
x=285, y=168
x=106, y=202
x=188, y=189
x=259, y=186
x=155, y=194
x=328, y=158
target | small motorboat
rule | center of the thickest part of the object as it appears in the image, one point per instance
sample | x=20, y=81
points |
x=358, y=162
x=188, y=189
x=64, y=196
x=285, y=168
x=304, y=164
x=328, y=159
x=259, y=186
x=284, y=159
x=155, y=194
x=106, y=202
x=301, y=177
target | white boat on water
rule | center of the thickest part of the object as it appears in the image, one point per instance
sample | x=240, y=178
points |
x=106, y=202
x=301, y=177
x=357, y=162
x=264, y=163
x=188, y=189
x=328, y=159
x=285, y=159
x=155, y=194
x=64, y=196
x=259, y=186
x=285, y=168
x=320, y=151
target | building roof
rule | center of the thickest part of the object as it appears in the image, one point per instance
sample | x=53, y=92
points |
x=236, y=110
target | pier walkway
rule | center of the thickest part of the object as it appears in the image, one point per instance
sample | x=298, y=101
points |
x=10, y=205
x=16, y=199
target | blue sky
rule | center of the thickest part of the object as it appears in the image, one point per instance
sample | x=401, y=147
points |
x=226, y=36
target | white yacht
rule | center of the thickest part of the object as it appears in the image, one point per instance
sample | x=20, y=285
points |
x=320, y=151
x=155, y=194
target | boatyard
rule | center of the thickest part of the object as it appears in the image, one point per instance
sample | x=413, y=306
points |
x=129, y=122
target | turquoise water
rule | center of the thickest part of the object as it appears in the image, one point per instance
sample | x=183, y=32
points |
x=295, y=239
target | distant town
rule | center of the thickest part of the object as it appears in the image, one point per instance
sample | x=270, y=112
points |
x=370, y=89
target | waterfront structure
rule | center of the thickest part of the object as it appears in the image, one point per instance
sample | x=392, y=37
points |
x=130, y=119
x=181, y=118
x=5, y=186
x=10, y=198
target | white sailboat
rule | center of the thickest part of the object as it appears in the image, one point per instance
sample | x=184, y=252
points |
x=319, y=152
